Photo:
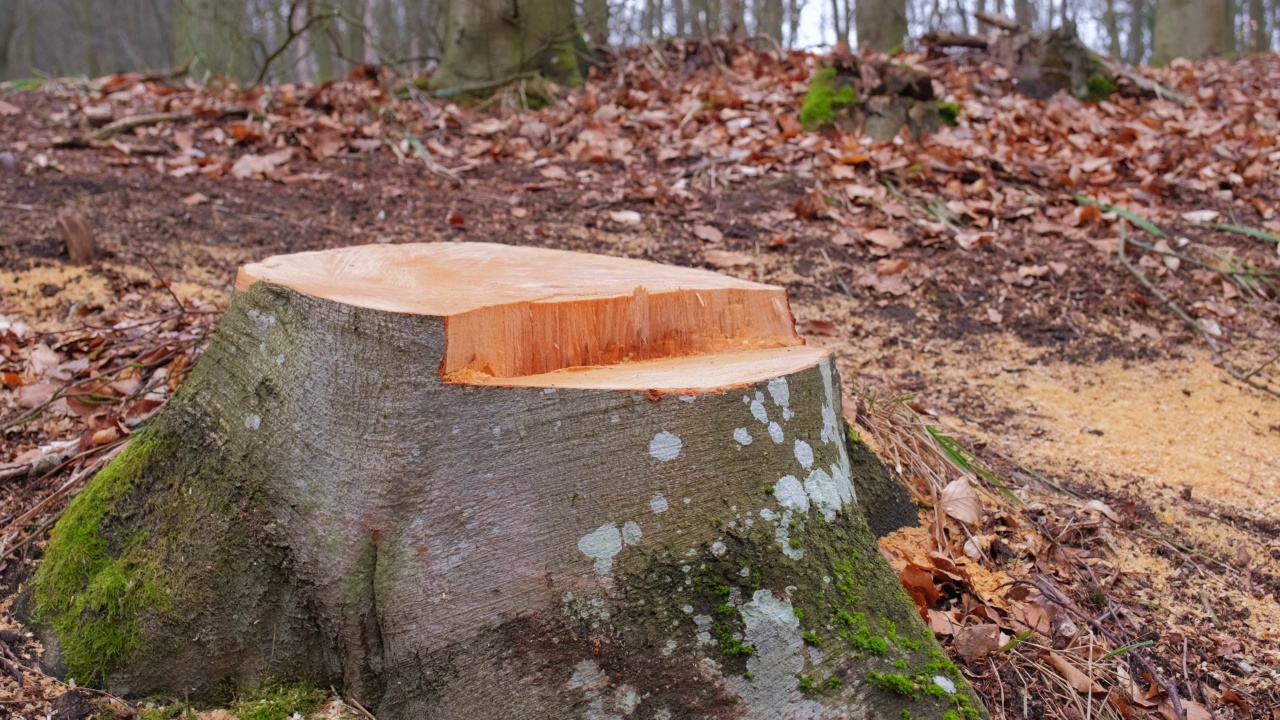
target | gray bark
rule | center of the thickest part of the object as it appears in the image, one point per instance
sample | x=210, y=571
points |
x=595, y=21
x=315, y=502
x=488, y=41
x=1138, y=21
x=1259, y=32
x=881, y=24
x=1191, y=29
x=769, y=16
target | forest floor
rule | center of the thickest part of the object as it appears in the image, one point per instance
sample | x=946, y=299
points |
x=960, y=270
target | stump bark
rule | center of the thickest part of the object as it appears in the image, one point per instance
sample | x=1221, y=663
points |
x=478, y=481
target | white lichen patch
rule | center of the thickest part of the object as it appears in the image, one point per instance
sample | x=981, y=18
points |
x=280, y=359
x=791, y=495
x=718, y=548
x=780, y=392
x=253, y=421
x=830, y=424
x=772, y=628
x=703, y=622
x=669, y=648
x=658, y=504
x=601, y=545
x=827, y=493
x=758, y=411
x=804, y=454
x=742, y=436
x=766, y=513
x=782, y=533
x=945, y=683
x=775, y=432
x=262, y=320
x=665, y=446
x=631, y=532
x=587, y=675
x=688, y=398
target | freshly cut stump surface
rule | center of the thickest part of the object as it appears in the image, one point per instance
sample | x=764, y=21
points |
x=482, y=481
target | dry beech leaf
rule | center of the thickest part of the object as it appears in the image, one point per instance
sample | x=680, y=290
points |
x=195, y=198
x=1200, y=217
x=886, y=239
x=1078, y=681
x=976, y=641
x=819, y=327
x=891, y=267
x=728, y=258
x=625, y=217
x=707, y=233
x=959, y=501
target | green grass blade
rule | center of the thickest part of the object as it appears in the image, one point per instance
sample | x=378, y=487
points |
x=1127, y=648
x=1138, y=220
x=1251, y=232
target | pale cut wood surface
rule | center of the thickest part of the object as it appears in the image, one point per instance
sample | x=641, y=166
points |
x=515, y=311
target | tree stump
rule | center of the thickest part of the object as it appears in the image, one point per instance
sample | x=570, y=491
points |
x=480, y=481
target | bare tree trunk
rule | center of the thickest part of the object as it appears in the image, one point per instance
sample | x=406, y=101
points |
x=1024, y=12
x=881, y=24
x=212, y=34
x=736, y=16
x=1138, y=21
x=1191, y=29
x=769, y=15
x=794, y=8
x=595, y=21
x=8, y=11
x=488, y=41
x=1259, y=31
x=1111, y=22
x=680, y=13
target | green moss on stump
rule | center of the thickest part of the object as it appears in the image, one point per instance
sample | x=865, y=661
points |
x=822, y=100
x=1099, y=88
x=91, y=593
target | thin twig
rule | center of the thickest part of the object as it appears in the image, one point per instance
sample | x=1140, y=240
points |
x=361, y=708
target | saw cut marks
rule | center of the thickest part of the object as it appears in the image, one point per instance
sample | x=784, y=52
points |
x=530, y=317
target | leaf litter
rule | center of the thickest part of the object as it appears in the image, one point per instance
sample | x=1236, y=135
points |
x=1075, y=595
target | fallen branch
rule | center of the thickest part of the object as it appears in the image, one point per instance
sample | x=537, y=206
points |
x=1246, y=378
x=101, y=139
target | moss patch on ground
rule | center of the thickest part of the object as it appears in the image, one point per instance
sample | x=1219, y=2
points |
x=277, y=701
x=823, y=99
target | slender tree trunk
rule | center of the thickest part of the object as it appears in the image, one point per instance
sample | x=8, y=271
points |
x=1111, y=22
x=1259, y=31
x=355, y=26
x=794, y=9
x=1191, y=29
x=1024, y=12
x=769, y=15
x=840, y=22
x=8, y=10
x=881, y=24
x=211, y=33
x=680, y=14
x=487, y=41
x=736, y=18
x=1136, y=47
x=595, y=21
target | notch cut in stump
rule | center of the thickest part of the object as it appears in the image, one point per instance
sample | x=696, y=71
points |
x=479, y=481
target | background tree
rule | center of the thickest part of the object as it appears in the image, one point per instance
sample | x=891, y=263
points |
x=1191, y=29
x=881, y=24
x=489, y=41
